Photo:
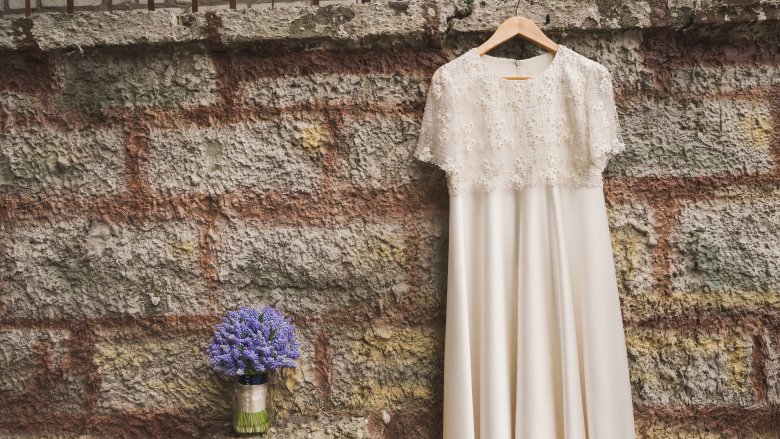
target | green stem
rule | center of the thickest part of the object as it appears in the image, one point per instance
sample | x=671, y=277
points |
x=251, y=422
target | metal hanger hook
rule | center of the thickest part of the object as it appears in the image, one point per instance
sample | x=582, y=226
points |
x=517, y=8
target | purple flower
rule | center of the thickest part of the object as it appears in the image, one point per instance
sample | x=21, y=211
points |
x=251, y=342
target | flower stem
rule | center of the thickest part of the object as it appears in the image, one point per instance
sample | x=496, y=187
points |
x=251, y=422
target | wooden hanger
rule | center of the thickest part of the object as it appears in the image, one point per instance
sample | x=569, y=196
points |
x=517, y=26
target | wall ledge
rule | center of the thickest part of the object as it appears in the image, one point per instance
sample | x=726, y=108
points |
x=382, y=23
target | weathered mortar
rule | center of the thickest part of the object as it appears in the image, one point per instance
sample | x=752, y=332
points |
x=158, y=168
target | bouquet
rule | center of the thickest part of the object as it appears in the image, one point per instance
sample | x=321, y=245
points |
x=248, y=344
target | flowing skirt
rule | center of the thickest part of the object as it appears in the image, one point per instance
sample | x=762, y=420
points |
x=534, y=342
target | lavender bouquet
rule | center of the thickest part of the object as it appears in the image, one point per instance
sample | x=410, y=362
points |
x=248, y=344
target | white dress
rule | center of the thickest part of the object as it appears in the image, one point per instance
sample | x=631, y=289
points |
x=534, y=342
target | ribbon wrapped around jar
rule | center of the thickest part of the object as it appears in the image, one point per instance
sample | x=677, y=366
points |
x=250, y=414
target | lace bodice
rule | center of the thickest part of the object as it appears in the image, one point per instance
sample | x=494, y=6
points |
x=557, y=128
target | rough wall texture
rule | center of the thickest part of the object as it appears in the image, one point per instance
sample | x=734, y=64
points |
x=158, y=168
x=17, y=7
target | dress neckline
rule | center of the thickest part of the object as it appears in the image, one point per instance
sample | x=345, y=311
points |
x=548, y=71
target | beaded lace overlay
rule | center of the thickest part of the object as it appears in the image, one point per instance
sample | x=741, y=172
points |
x=558, y=128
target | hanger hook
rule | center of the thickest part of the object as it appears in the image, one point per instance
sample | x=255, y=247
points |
x=517, y=8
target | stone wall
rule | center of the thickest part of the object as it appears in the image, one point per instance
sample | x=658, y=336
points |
x=158, y=168
x=11, y=8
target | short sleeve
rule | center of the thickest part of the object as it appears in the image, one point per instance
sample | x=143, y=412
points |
x=605, y=137
x=432, y=144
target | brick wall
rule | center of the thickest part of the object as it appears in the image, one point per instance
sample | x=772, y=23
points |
x=158, y=168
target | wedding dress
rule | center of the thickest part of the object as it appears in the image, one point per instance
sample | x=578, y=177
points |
x=534, y=342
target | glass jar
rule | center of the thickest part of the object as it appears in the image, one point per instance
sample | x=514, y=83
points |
x=250, y=404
